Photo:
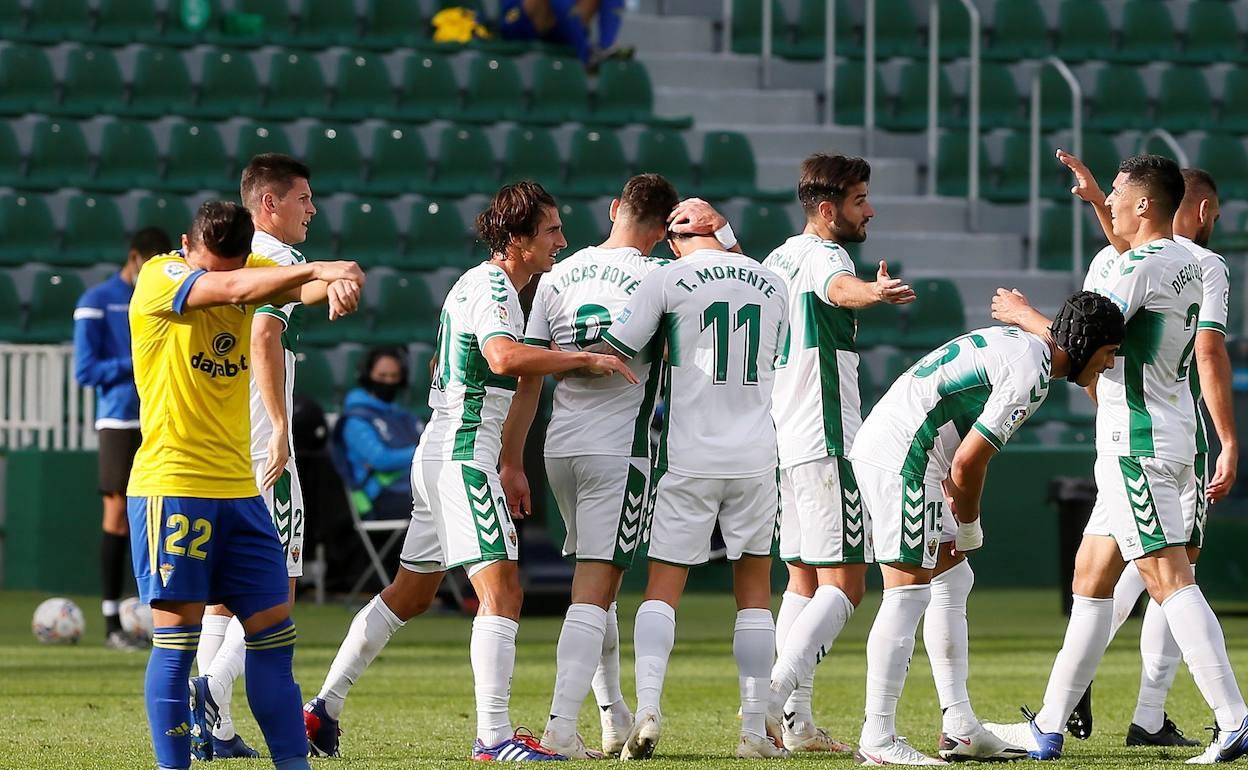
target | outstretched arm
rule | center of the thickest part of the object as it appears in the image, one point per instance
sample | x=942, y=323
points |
x=508, y=357
x=1086, y=189
x=264, y=285
x=852, y=292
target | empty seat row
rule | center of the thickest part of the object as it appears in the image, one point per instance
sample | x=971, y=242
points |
x=317, y=378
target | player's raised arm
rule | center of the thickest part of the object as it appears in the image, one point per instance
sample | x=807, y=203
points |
x=1010, y=306
x=1086, y=189
x=694, y=216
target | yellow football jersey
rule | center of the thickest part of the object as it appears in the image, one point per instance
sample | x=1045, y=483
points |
x=192, y=371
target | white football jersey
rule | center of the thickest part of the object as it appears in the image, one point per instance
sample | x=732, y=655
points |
x=573, y=305
x=469, y=401
x=291, y=316
x=1215, y=307
x=723, y=318
x=1144, y=404
x=816, y=404
x=989, y=380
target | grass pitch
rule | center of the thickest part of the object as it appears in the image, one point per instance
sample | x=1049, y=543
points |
x=82, y=706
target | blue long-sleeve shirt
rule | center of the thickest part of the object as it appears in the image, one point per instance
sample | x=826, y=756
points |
x=102, y=352
x=373, y=463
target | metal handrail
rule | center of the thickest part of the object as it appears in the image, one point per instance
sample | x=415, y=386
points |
x=1171, y=142
x=768, y=25
x=829, y=64
x=726, y=34
x=933, y=103
x=868, y=111
x=1076, y=120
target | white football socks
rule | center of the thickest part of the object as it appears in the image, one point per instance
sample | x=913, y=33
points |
x=1126, y=595
x=808, y=640
x=577, y=656
x=889, y=646
x=799, y=703
x=945, y=637
x=227, y=666
x=1087, y=633
x=1196, y=630
x=654, y=633
x=493, y=654
x=371, y=628
x=607, y=677
x=1160, y=657
x=211, y=635
x=754, y=645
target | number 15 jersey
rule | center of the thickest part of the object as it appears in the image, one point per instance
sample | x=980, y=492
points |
x=722, y=317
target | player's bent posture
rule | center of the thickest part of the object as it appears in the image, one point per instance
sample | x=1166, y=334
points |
x=1145, y=444
x=938, y=426
x=1193, y=226
x=199, y=531
x=460, y=515
x=275, y=189
x=817, y=410
x=722, y=318
x=597, y=455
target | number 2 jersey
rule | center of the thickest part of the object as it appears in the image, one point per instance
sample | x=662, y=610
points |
x=574, y=304
x=722, y=317
x=989, y=380
x=1144, y=404
x=468, y=400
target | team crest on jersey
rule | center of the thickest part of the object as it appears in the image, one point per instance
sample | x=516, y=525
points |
x=175, y=270
x=503, y=315
x=295, y=553
x=931, y=547
x=166, y=570
x=511, y=537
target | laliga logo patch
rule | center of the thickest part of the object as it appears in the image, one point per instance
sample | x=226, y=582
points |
x=166, y=570
x=223, y=343
x=625, y=314
x=1016, y=418
x=175, y=270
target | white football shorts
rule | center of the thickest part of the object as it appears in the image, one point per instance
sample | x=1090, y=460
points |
x=1143, y=503
x=285, y=503
x=905, y=516
x=686, y=509
x=602, y=499
x=459, y=518
x=822, y=521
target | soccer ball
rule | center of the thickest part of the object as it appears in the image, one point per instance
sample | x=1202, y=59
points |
x=58, y=621
x=136, y=618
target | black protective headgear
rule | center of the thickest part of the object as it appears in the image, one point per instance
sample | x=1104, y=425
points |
x=1086, y=323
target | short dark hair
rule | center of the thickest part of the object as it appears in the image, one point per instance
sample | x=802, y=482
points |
x=150, y=241
x=828, y=178
x=373, y=355
x=647, y=199
x=223, y=228
x=1160, y=176
x=272, y=172
x=1199, y=183
x=514, y=212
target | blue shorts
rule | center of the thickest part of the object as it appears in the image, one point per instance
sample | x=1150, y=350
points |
x=193, y=549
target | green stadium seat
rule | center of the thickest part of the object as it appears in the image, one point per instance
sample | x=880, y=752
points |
x=335, y=155
x=955, y=30
x=850, y=93
x=420, y=378
x=580, y=227
x=1100, y=154
x=1233, y=117
x=1057, y=406
x=764, y=227
x=314, y=377
x=118, y=22
x=936, y=316
x=1083, y=30
x=1012, y=181
x=1148, y=33
x=127, y=159
x=1055, y=102
x=809, y=30
x=58, y=156
x=465, y=163
x=229, y=86
x=327, y=23
x=10, y=157
x=1119, y=100
x=1212, y=34
x=29, y=234
x=897, y=30
x=1079, y=436
x=362, y=88
x=53, y=297
x=868, y=389
x=168, y=212
x=12, y=20
x=435, y=236
x=196, y=160
x=1185, y=99
x=399, y=162
x=560, y=92
x=953, y=164
x=322, y=241
x=663, y=151
x=161, y=85
x=428, y=89
x=531, y=153
x=879, y=325
x=394, y=24
x=727, y=166
x=624, y=93
x=94, y=232
x=278, y=25
x=1225, y=154
x=1054, y=252
x=596, y=164
x=54, y=21
x=257, y=138
x=26, y=81
x=369, y=234
x=296, y=87
x=92, y=84
x=910, y=108
x=1000, y=103
x=1019, y=31
x=319, y=330
x=405, y=311
x=10, y=309
x=494, y=91
x=747, y=24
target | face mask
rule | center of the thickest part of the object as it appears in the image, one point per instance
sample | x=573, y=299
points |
x=386, y=391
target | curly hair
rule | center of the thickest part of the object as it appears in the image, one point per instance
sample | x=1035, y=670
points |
x=513, y=213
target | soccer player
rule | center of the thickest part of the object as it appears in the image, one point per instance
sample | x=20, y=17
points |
x=1193, y=226
x=275, y=189
x=817, y=411
x=460, y=515
x=928, y=440
x=597, y=455
x=102, y=359
x=1146, y=444
x=199, y=531
x=722, y=318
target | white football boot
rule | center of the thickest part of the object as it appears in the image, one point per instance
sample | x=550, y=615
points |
x=978, y=746
x=753, y=747
x=804, y=737
x=571, y=746
x=643, y=736
x=616, y=720
x=896, y=753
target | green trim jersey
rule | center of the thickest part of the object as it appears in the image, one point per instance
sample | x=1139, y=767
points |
x=468, y=400
x=573, y=306
x=989, y=381
x=722, y=318
x=816, y=404
x=291, y=316
x=1144, y=404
